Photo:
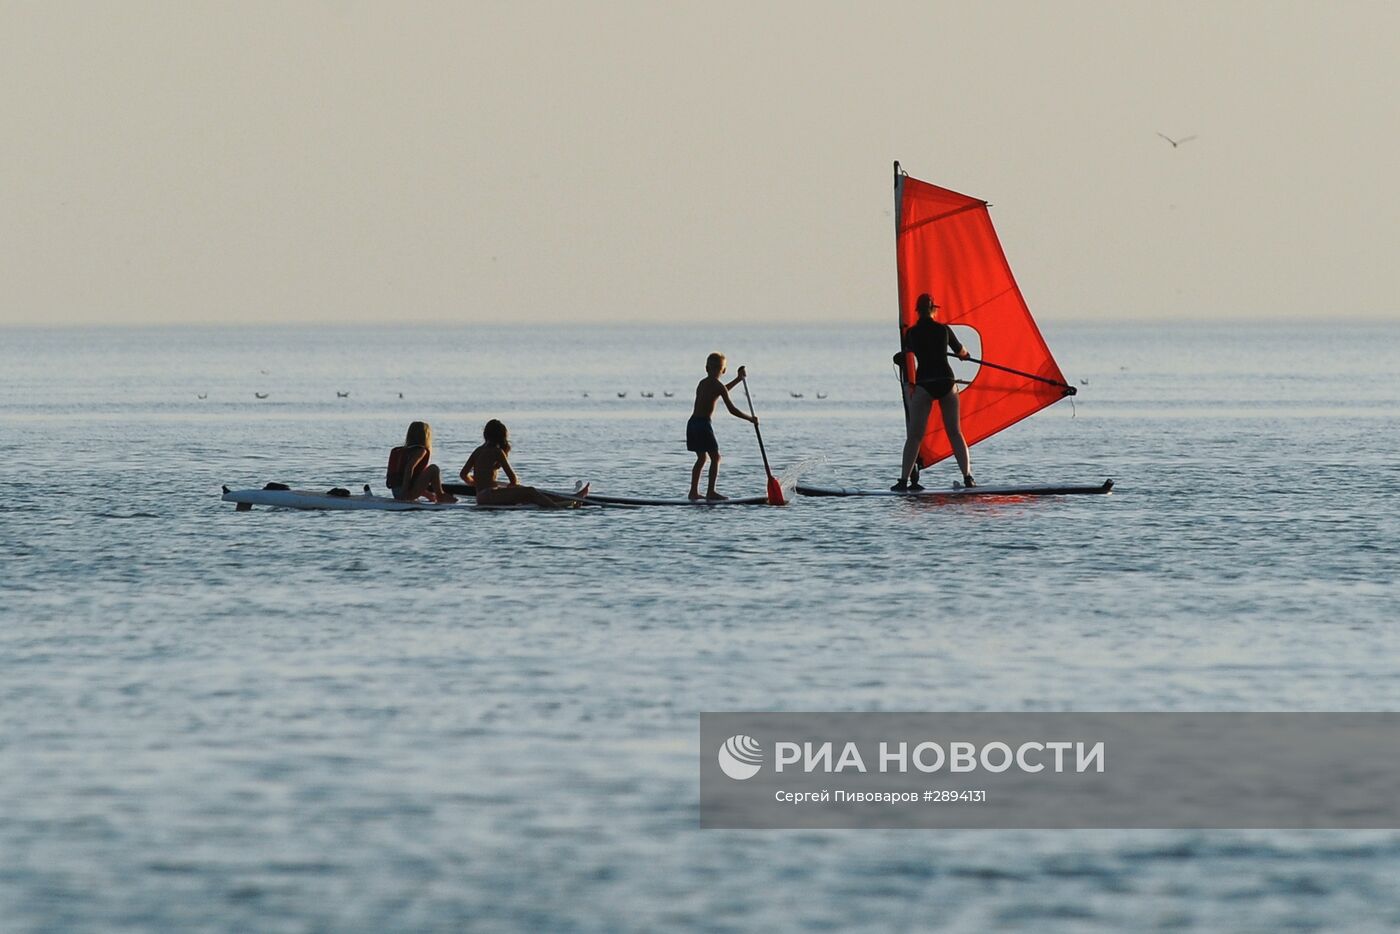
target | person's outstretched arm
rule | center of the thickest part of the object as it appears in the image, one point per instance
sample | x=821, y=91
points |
x=734, y=410
x=957, y=346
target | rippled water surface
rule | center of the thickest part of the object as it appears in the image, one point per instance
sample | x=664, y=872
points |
x=362, y=721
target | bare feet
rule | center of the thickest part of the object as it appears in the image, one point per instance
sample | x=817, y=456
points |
x=444, y=498
x=694, y=494
x=715, y=497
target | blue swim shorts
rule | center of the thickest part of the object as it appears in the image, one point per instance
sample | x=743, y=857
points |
x=700, y=436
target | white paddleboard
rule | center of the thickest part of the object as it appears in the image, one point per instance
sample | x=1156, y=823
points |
x=317, y=500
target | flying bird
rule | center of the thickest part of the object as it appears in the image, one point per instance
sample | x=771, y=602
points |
x=259, y=395
x=342, y=395
x=668, y=394
x=648, y=395
x=622, y=395
x=795, y=395
x=821, y=395
x=1176, y=142
x=204, y=395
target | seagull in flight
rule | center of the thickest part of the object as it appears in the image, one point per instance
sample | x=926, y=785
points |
x=1177, y=142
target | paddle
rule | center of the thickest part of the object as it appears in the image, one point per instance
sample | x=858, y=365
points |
x=775, y=489
x=1069, y=390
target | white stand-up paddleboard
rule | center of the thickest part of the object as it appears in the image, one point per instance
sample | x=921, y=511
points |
x=958, y=491
x=316, y=500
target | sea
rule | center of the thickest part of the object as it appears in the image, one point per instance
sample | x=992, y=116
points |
x=489, y=721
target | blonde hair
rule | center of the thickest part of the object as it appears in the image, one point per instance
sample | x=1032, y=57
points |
x=715, y=362
x=420, y=434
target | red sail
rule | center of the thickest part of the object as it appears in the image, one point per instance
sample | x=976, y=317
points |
x=946, y=246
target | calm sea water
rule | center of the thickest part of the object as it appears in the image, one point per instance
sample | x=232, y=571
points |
x=283, y=721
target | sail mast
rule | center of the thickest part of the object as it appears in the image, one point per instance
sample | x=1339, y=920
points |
x=899, y=177
x=901, y=359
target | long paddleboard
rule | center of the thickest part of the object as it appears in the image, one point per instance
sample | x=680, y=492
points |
x=318, y=500
x=604, y=499
x=675, y=501
x=959, y=491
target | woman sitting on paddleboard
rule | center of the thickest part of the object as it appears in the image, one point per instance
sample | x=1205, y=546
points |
x=480, y=470
x=928, y=340
x=411, y=473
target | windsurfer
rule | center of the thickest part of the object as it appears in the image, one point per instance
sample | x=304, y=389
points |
x=700, y=433
x=928, y=340
x=492, y=456
x=411, y=474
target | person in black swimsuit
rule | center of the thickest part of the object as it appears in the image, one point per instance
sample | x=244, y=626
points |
x=928, y=340
x=411, y=473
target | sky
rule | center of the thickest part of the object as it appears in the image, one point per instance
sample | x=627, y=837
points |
x=523, y=162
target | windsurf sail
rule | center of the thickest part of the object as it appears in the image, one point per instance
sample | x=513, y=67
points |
x=945, y=245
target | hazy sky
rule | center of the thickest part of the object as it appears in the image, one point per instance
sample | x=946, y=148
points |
x=512, y=162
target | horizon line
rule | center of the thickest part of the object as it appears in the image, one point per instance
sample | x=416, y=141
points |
x=426, y=323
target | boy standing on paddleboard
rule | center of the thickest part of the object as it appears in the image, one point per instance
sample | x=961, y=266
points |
x=700, y=433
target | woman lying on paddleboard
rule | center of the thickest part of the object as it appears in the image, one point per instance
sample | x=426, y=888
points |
x=928, y=340
x=411, y=474
x=492, y=456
